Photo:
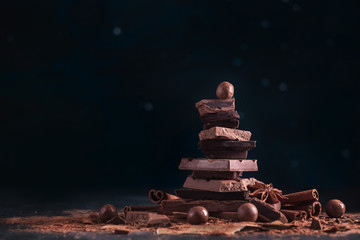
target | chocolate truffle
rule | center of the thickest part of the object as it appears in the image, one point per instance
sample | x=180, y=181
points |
x=197, y=215
x=247, y=213
x=107, y=212
x=335, y=208
x=225, y=90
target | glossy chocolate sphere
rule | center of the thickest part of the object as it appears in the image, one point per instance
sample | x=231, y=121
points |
x=225, y=90
x=247, y=213
x=107, y=212
x=335, y=208
x=197, y=215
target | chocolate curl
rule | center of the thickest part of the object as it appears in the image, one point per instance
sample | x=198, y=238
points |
x=300, y=198
x=292, y=215
x=312, y=209
x=266, y=192
x=156, y=208
x=157, y=196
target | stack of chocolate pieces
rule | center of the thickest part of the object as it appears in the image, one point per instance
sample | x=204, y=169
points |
x=218, y=175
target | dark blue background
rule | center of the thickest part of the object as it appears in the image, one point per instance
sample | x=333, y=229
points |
x=97, y=93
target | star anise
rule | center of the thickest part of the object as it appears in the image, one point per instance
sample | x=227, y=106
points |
x=266, y=192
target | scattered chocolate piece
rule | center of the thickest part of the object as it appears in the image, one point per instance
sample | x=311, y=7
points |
x=107, y=212
x=210, y=195
x=238, y=185
x=247, y=213
x=147, y=219
x=335, y=208
x=303, y=197
x=169, y=206
x=206, y=106
x=222, y=165
x=197, y=215
x=94, y=217
x=293, y=215
x=225, y=90
x=267, y=212
x=316, y=224
x=224, y=133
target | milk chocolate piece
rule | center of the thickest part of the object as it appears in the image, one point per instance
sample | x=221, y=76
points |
x=208, y=175
x=178, y=205
x=292, y=215
x=230, y=123
x=226, y=165
x=147, y=219
x=219, y=185
x=195, y=194
x=303, y=197
x=220, y=116
x=268, y=212
x=206, y=106
x=224, y=133
x=156, y=196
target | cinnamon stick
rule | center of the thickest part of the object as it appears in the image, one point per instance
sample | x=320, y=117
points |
x=312, y=209
x=156, y=208
x=157, y=196
x=292, y=215
x=303, y=197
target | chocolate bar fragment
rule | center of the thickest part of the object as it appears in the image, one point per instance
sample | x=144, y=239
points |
x=224, y=133
x=215, y=149
x=215, y=175
x=147, y=219
x=206, y=106
x=219, y=185
x=209, y=195
x=230, y=123
x=226, y=165
x=169, y=206
x=267, y=212
x=220, y=116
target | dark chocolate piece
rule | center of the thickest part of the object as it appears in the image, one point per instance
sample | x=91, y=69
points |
x=225, y=134
x=169, y=206
x=316, y=224
x=225, y=123
x=267, y=211
x=107, y=212
x=207, y=106
x=225, y=90
x=226, y=149
x=220, y=116
x=197, y=215
x=147, y=219
x=209, y=195
x=247, y=213
x=216, y=175
x=335, y=208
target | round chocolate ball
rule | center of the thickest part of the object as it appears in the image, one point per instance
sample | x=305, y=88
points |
x=107, y=212
x=247, y=213
x=197, y=215
x=225, y=90
x=335, y=208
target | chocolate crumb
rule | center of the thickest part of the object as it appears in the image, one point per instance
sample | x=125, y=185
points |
x=316, y=224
